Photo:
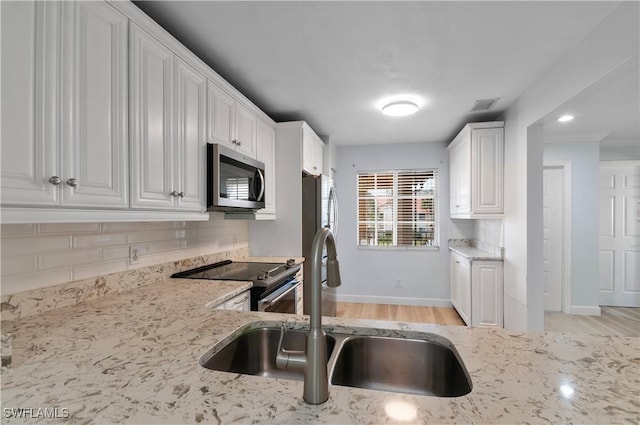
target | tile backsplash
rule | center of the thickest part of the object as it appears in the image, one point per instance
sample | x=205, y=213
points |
x=40, y=255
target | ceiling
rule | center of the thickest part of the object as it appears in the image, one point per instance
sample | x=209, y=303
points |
x=332, y=64
x=608, y=111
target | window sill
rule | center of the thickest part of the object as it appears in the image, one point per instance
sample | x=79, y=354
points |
x=397, y=248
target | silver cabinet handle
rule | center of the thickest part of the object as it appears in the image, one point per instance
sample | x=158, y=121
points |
x=55, y=180
x=239, y=143
x=72, y=182
x=174, y=193
x=181, y=194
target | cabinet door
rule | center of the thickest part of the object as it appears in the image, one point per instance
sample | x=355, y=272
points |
x=487, y=153
x=317, y=154
x=464, y=287
x=94, y=105
x=487, y=293
x=246, y=131
x=463, y=175
x=220, y=113
x=29, y=142
x=267, y=154
x=190, y=101
x=312, y=153
x=453, y=280
x=151, y=101
x=454, y=176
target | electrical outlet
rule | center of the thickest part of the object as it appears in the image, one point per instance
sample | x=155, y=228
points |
x=133, y=255
x=398, y=283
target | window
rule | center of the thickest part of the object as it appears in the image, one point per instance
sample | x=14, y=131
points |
x=398, y=208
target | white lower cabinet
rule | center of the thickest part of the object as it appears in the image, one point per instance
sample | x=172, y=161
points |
x=477, y=291
x=238, y=303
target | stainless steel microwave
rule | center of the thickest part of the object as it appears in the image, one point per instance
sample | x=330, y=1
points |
x=234, y=181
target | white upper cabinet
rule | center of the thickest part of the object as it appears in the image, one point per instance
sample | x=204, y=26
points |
x=30, y=145
x=64, y=136
x=94, y=100
x=230, y=123
x=246, y=130
x=312, y=152
x=476, y=171
x=191, y=89
x=267, y=154
x=168, y=104
x=220, y=114
x=151, y=102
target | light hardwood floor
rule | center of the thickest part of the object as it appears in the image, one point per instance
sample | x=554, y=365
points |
x=615, y=321
x=399, y=313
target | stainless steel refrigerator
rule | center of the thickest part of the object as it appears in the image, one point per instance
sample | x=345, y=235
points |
x=319, y=209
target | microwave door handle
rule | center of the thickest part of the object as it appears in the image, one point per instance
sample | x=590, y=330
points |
x=262, y=184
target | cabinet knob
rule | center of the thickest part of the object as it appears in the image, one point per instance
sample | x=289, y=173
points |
x=174, y=193
x=72, y=182
x=239, y=143
x=235, y=142
x=181, y=194
x=55, y=180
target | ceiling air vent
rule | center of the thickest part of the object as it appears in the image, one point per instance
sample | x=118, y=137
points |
x=483, y=104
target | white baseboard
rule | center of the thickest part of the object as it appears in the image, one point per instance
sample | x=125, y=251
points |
x=367, y=299
x=585, y=310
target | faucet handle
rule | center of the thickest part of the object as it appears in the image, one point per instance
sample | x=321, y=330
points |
x=288, y=359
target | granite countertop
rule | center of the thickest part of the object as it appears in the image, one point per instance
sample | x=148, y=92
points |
x=133, y=358
x=472, y=253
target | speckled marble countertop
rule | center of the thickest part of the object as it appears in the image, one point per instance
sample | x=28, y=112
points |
x=133, y=358
x=472, y=253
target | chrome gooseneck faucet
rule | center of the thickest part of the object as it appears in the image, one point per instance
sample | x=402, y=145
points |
x=313, y=361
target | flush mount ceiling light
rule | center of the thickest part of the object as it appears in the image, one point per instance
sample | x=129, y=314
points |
x=565, y=118
x=400, y=108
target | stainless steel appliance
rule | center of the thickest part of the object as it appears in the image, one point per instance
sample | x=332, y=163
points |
x=275, y=287
x=234, y=181
x=319, y=209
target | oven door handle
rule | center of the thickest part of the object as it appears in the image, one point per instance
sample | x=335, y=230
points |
x=278, y=297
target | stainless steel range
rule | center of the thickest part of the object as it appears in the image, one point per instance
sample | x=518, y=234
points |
x=275, y=287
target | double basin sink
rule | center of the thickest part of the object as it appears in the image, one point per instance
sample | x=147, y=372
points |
x=429, y=365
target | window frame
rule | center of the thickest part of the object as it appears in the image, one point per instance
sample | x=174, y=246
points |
x=395, y=197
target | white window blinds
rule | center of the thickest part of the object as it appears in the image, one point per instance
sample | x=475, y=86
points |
x=398, y=208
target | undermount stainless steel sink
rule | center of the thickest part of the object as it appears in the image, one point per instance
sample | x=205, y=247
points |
x=426, y=366
x=400, y=365
x=254, y=353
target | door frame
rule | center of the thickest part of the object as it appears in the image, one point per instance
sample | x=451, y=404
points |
x=566, y=225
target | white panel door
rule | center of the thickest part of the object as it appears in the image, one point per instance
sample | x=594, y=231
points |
x=29, y=142
x=487, y=153
x=462, y=172
x=246, y=130
x=151, y=112
x=552, y=210
x=94, y=105
x=191, y=92
x=620, y=234
x=220, y=116
x=486, y=293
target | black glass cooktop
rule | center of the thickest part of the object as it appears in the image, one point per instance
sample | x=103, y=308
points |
x=261, y=274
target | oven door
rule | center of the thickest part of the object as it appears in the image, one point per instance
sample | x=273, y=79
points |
x=282, y=300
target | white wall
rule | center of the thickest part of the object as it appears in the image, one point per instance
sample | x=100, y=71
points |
x=620, y=153
x=370, y=275
x=612, y=42
x=40, y=255
x=585, y=171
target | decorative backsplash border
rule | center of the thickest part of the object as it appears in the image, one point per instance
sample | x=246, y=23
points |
x=29, y=303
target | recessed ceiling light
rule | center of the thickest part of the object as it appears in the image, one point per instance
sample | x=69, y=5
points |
x=400, y=108
x=565, y=118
